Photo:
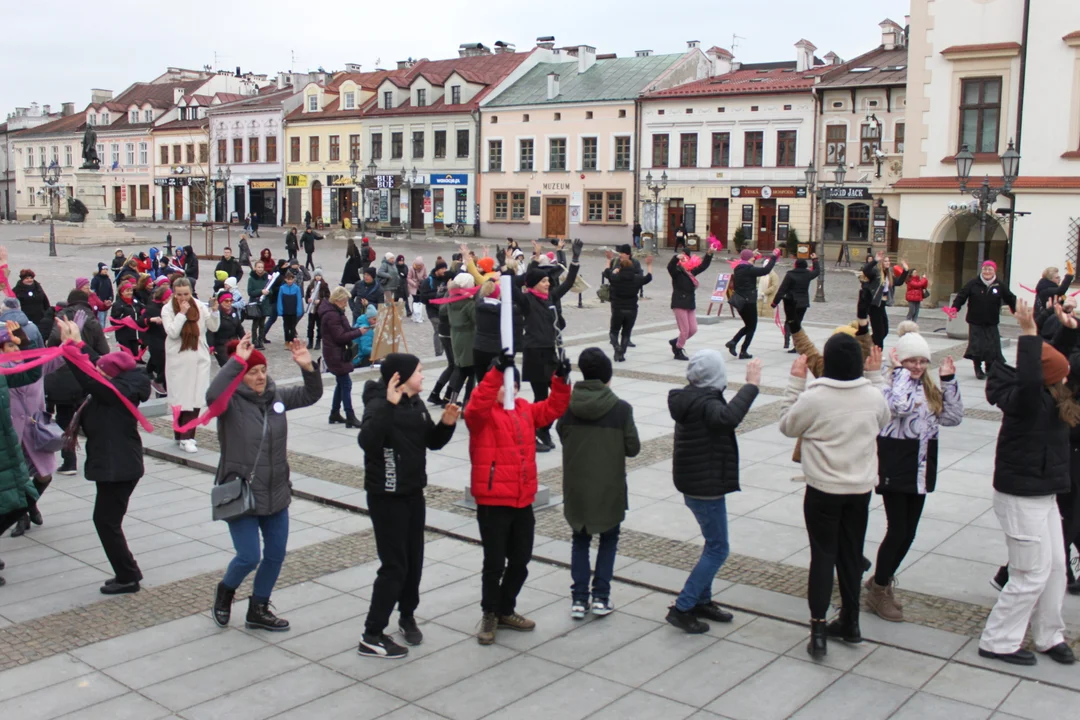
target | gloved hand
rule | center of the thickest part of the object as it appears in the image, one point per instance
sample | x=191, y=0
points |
x=576, y=249
x=503, y=361
x=562, y=370
x=500, y=256
x=777, y=251
x=950, y=311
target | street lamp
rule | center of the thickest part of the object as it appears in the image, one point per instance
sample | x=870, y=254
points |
x=354, y=168
x=223, y=177
x=838, y=173
x=372, y=168
x=407, y=182
x=985, y=194
x=50, y=176
x=656, y=190
x=818, y=193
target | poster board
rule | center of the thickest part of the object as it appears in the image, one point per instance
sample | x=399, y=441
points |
x=719, y=293
x=389, y=331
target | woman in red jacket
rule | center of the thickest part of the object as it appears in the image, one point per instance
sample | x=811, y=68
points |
x=502, y=447
x=916, y=284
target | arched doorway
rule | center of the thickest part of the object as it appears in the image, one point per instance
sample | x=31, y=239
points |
x=316, y=202
x=959, y=238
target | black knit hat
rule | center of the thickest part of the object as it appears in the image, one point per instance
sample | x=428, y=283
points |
x=534, y=276
x=401, y=363
x=800, y=264
x=623, y=249
x=843, y=358
x=594, y=365
x=370, y=271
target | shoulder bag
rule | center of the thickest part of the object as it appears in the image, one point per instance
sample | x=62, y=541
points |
x=233, y=498
x=253, y=310
x=43, y=435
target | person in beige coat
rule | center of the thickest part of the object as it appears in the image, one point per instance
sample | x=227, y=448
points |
x=187, y=356
x=766, y=290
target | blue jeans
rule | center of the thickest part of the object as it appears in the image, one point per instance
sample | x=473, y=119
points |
x=103, y=318
x=342, y=394
x=271, y=318
x=712, y=518
x=580, y=571
x=245, y=537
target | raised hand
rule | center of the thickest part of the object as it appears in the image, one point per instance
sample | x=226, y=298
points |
x=948, y=367
x=3, y=255
x=798, y=368
x=68, y=330
x=576, y=248
x=873, y=360
x=894, y=357
x=609, y=255
x=1025, y=317
x=648, y=263
x=813, y=256
x=450, y=414
x=562, y=370
x=1067, y=318
x=394, y=389
x=753, y=372
x=300, y=354
x=244, y=348
x=213, y=303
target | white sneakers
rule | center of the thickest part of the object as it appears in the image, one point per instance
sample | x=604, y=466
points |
x=188, y=446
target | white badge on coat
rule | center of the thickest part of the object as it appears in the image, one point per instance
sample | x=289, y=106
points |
x=279, y=407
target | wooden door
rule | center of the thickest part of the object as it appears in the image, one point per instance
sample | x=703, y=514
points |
x=118, y=201
x=766, y=225
x=132, y=204
x=316, y=201
x=416, y=208
x=178, y=203
x=164, y=203
x=718, y=219
x=555, y=218
x=674, y=220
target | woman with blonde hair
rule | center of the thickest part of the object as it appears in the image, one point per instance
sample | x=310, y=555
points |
x=187, y=356
x=1051, y=285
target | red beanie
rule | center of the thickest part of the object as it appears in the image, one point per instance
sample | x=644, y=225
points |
x=486, y=264
x=1054, y=365
x=256, y=357
x=115, y=363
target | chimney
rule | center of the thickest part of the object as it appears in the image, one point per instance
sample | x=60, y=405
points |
x=804, y=55
x=45, y=109
x=832, y=58
x=68, y=108
x=504, y=47
x=178, y=95
x=472, y=50
x=98, y=96
x=721, y=60
x=892, y=35
x=642, y=53
x=586, y=58
x=692, y=44
x=547, y=42
x=553, y=86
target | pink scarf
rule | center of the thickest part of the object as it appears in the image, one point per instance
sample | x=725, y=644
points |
x=456, y=295
x=537, y=293
x=216, y=408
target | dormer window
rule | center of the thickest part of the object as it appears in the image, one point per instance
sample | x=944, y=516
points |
x=148, y=116
x=350, y=100
x=91, y=119
x=313, y=103
x=455, y=95
x=388, y=99
x=183, y=113
x=105, y=118
x=134, y=116
x=421, y=97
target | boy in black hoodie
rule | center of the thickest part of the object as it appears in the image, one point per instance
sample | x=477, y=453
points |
x=395, y=433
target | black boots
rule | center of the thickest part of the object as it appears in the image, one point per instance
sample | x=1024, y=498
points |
x=613, y=338
x=680, y=354
x=979, y=374
x=223, y=600
x=845, y=627
x=318, y=344
x=434, y=399
x=745, y=355
x=730, y=345
x=620, y=355
x=351, y=421
x=259, y=617
x=335, y=417
x=818, y=647
x=544, y=435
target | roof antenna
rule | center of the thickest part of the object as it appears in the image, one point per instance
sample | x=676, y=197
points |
x=734, y=44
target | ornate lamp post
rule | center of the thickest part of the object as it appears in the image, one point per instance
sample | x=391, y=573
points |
x=818, y=193
x=985, y=194
x=50, y=176
x=354, y=168
x=223, y=177
x=407, y=182
x=656, y=189
x=372, y=168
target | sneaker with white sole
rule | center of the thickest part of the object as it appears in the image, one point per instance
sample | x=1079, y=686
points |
x=189, y=446
x=381, y=646
x=578, y=609
x=602, y=607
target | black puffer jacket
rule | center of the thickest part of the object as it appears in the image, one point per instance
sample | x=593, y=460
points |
x=230, y=328
x=683, y=291
x=625, y=286
x=1032, y=457
x=796, y=286
x=543, y=317
x=1046, y=289
x=706, y=459
x=33, y=301
x=488, y=336
x=744, y=278
x=395, y=440
x=984, y=302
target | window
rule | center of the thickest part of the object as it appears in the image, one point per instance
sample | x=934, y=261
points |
x=603, y=207
x=588, y=153
x=501, y=206
x=30, y=157
x=164, y=154
x=238, y=150
x=114, y=154
x=659, y=112
x=622, y=153
x=440, y=143
x=198, y=199
x=688, y=150
x=388, y=99
x=900, y=137
x=622, y=113
x=133, y=117
x=100, y=152
x=461, y=204
x=397, y=145
x=189, y=152
x=418, y=144
x=313, y=103
x=350, y=100
x=787, y=107
x=313, y=149
x=56, y=155
x=335, y=148
x=294, y=149
x=980, y=110
x=129, y=152
x=204, y=152
x=494, y=119
x=144, y=154
x=869, y=142
x=525, y=155
x=588, y=114
x=594, y=207
x=833, y=223
x=354, y=148
x=67, y=154
x=753, y=108
x=525, y=117
x=105, y=119
x=31, y=192
x=421, y=97
x=689, y=111
x=463, y=143
x=753, y=145
x=835, y=144
x=183, y=113
x=721, y=149
x=557, y=154
x=144, y=197
x=785, y=148
x=517, y=205
x=495, y=155
x=222, y=152
x=558, y=117
x=271, y=149
x=858, y=222
x=659, y=150
x=614, y=207
x=91, y=119
x=148, y=116
x=376, y=146
x=721, y=109
x=253, y=149
x=455, y=95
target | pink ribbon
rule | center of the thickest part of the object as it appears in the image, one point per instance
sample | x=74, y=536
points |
x=4, y=281
x=126, y=322
x=776, y=319
x=215, y=408
x=457, y=294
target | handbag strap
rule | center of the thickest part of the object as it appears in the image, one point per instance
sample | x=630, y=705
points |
x=262, y=440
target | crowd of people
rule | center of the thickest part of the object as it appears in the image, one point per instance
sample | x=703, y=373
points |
x=864, y=421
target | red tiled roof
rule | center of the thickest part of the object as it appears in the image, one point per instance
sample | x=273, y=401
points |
x=1024, y=182
x=1074, y=35
x=181, y=125
x=366, y=80
x=719, y=51
x=744, y=81
x=245, y=102
x=878, y=61
x=70, y=123
x=981, y=47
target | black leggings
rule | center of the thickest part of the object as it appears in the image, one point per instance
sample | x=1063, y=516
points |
x=622, y=321
x=448, y=371
x=310, y=262
x=258, y=331
x=902, y=513
x=289, y=321
x=481, y=363
x=879, y=324
x=462, y=377
x=749, y=318
x=314, y=329
x=793, y=316
x=836, y=525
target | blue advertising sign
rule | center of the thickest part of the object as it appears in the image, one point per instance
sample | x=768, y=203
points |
x=450, y=179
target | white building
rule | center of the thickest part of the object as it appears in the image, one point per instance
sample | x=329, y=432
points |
x=22, y=119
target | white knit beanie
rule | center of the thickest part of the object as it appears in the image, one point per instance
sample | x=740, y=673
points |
x=463, y=281
x=912, y=345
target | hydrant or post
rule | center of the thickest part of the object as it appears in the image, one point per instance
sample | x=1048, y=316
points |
x=168, y=244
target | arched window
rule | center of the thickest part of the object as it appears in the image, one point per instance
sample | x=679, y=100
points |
x=858, y=222
x=833, y=221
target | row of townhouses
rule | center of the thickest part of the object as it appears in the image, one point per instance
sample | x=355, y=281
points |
x=565, y=142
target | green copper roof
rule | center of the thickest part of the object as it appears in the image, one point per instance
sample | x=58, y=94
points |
x=616, y=79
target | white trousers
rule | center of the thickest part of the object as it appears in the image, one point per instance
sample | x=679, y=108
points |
x=1036, y=586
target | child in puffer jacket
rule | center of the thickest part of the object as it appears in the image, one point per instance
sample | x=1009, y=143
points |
x=365, y=342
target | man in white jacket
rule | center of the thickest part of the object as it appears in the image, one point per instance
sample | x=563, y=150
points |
x=838, y=416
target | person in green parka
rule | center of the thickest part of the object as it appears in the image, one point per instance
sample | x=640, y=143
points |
x=462, y=314
x=258, y=296
x=598, y=434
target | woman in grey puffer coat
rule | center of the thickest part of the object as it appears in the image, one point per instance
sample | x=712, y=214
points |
x=388, y=276
x=258, y=406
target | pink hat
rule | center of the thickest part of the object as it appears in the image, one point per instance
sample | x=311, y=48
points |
x=115, y=363
x=991, y=263
x=80, y=281
x=551, y=256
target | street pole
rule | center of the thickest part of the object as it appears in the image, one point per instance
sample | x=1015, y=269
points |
x=52, y=227
x=819, y=296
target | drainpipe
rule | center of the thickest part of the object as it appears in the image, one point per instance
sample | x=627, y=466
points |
x=1019, y=131
x=637, y=161
x=476, y=185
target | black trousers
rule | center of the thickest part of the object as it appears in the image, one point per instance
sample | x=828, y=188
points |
x=110, y=506
x=481, y=363
x=9, y=519
x=398, y=522
x=290, y=321
x=448, y=371
x=902, y=512
x=793, y=316
x=507, y=536
x=622, y=324
x=1069, y=505
x=749, y=318
x=836, y=525
x=310, y=262
x=258, y=331
x=314, y=329
x=64, y=413
x=879, y=324
x=462, y=377
x=184, y=418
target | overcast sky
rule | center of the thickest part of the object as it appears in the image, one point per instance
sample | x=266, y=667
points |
x=74, y=46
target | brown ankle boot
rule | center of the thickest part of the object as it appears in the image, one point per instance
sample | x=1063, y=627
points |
x=881, y=603
x=869, y=584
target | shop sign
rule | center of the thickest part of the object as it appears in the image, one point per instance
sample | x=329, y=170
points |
x=556, y=186
x=847, y=193
x=339, y=180
x=427, y=201
x=450, y=179
x=264, y=184
x=387, y=181
x=172, y=182
x=296, y=181
x=765, y=192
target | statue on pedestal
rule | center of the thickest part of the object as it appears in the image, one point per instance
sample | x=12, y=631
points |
x=91, y=161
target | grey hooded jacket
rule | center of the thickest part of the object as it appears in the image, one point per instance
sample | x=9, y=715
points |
x=388, y=275
x=240, y=428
